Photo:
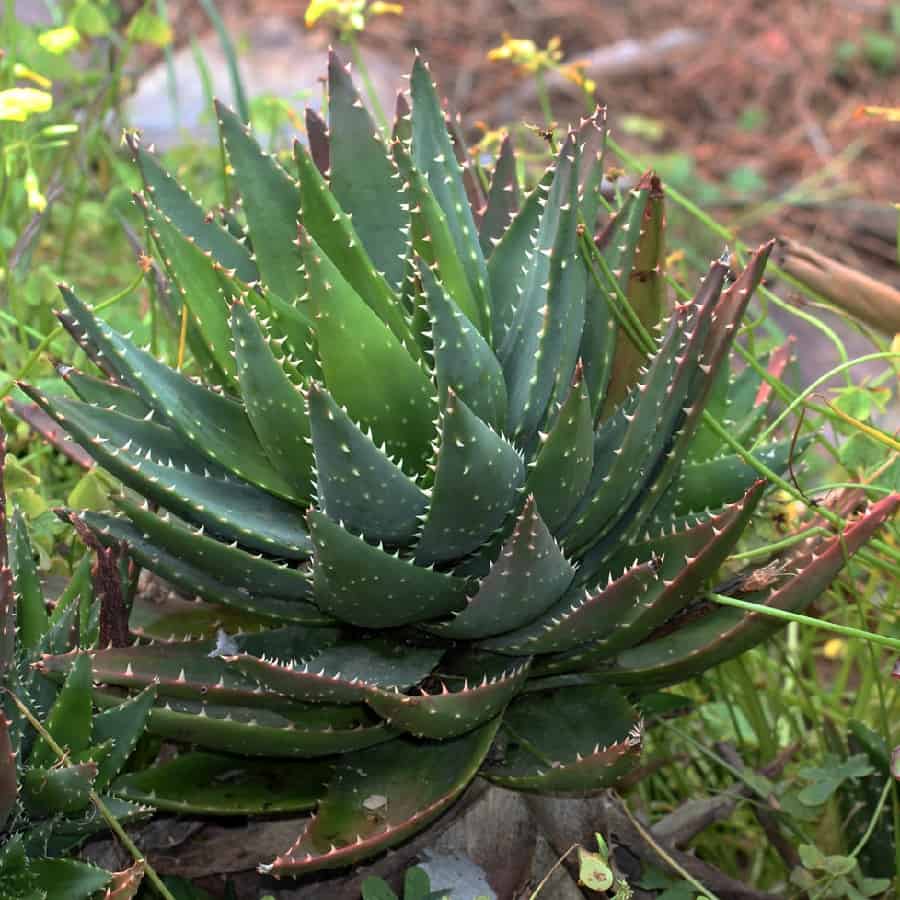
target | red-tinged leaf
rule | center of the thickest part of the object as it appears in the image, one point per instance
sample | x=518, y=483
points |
x=778, y=362
x=720, y=634
x=381, y=796
x=9, y=786
x=125, y=884
x=48, y=429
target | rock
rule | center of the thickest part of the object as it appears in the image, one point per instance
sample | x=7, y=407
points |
x=276, y=58
x=456, y=874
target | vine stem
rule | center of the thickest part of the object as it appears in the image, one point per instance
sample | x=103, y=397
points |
x=846, y=630
x=363, y=69
x=114, y=824
x=549, y=874
x=705, y=892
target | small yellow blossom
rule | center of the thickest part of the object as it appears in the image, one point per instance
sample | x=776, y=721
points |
x=17, y=104
x=834, y=648
x=888, y=113
x=574, y=72
x=348, y=15
x=26, y=74
x=36, y=200
x=59, y=40
x=526, y=54
x=385, y=9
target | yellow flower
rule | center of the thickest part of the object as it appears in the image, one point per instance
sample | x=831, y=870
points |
x=834, y=648
x=20, y=71
x=526, y=54
x=574, y=72
x=59, y=40
x=888, y=113
x=349, y=15
x=36, y=200
x=17, y=104
x=385, y=9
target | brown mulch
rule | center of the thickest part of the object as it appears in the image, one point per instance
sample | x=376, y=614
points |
x=774, y=59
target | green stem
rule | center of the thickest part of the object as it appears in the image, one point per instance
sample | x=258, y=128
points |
x=358, y=61
x=113, y=823
x=874, y=820
x=543, y=95
x=845, y=630
x=724, y=435
x=769, y=549
x=837, y=370
x=706, y=893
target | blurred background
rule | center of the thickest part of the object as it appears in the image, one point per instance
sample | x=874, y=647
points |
x=755, y=110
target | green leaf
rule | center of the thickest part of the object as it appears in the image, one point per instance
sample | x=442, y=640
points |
x=722, y=633
x=366, y=369
x=811, y=856
x=230, y=565
x=183, y=216
x=477, y=483
x=67, y=878
x=502, y=200
x=31, y=615
x=214, y=785
x=505, y=263
x=304, y=731
x=356, y=482
x=374, y=888
x=566, y=741
x=334, y=233
x=185, y=669
x=274, y=406
x=464, y=362
x=433, y=155
x=201, y=284
x=91, y=491
x=53, y=791
x=100, y=392
x=147, y=28
x=69, y=721
x=365, y=182
x=487, y=686
x=215, y=425
x=179, y=479
x=528, y=576
x=196, y=580
x=433, y=239
x=90, y=19
x=594, y=871
x=565, y=459
x=825, y=781
x=416, y=884
x=540, y=350
x=271, y=202
x=343, y=672
x=122, y=724
x=383, y=795
x=365, y=586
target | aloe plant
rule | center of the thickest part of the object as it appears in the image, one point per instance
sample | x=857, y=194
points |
x=46, y=807
x=445, y=482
